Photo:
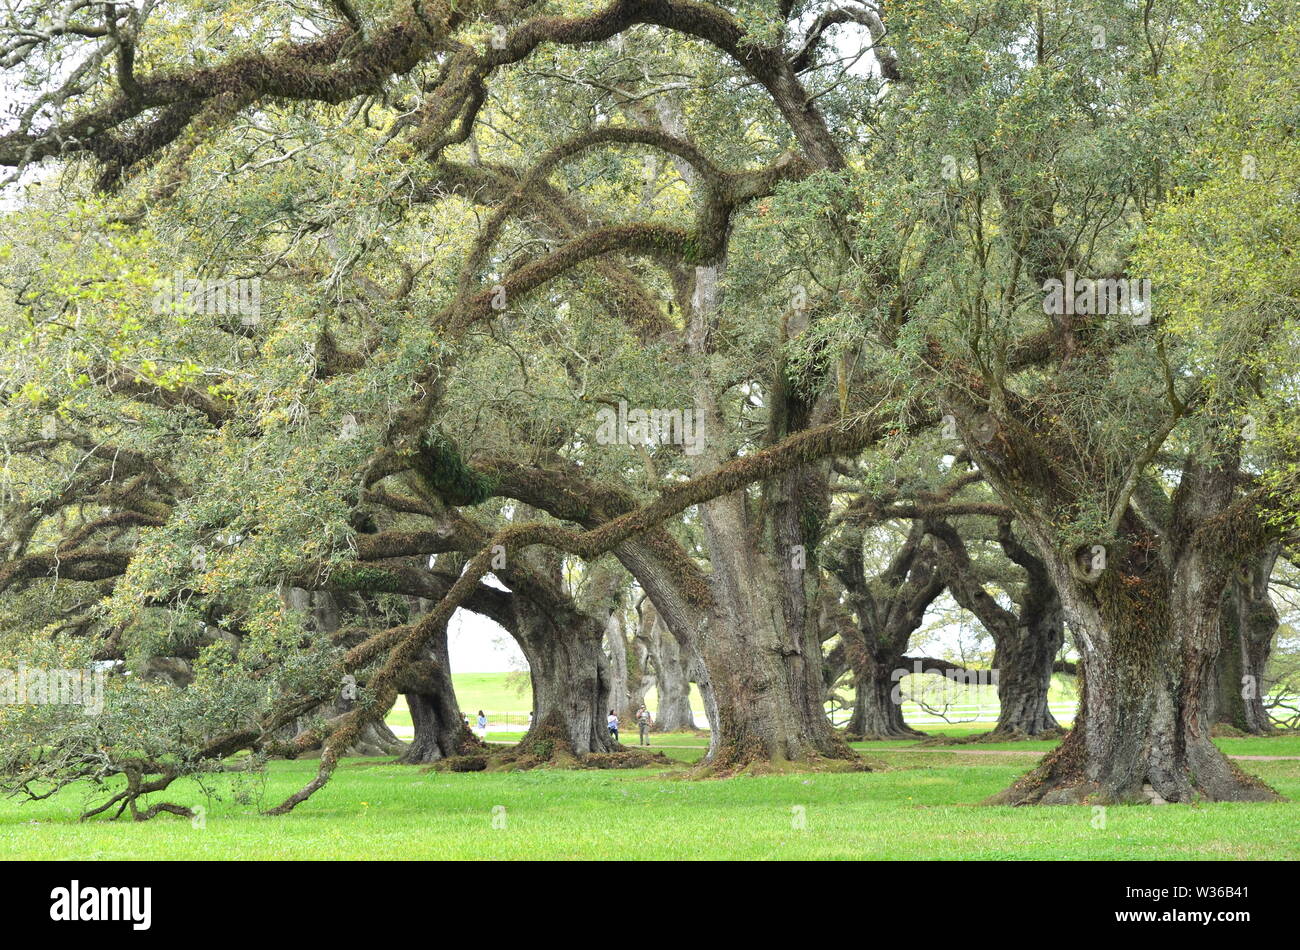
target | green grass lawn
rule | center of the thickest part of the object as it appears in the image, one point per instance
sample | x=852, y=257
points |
x=923, y=806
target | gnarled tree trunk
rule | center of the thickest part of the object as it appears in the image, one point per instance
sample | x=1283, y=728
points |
x=764, y=665
x=877, y=707
x=571, y=683
x=760, y=642
x=1023, y=658
x=886, y=610
x=672, y=682
x=1148, y=630
x=1249, y=623
x=440, y=730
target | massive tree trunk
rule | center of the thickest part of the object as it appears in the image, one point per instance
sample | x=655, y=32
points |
x=756, y=639
x=886, y=609
x=1147, y=624
x=1023, y=658
x=440, y=730
x=571, y=683
x=877, y=706
x=1249, y=621
x=1143, y=736
x=672, y=682
x=764, y=665
x=760, y=643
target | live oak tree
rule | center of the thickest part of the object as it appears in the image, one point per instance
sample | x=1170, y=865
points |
x=1248, y=626
x=204, y=104
x=1028, y=633
x=960, y=541
x=877, y=619
x=1140, y=571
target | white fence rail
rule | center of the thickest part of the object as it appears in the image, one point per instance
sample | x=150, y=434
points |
x=982, y=712
x=954, y=715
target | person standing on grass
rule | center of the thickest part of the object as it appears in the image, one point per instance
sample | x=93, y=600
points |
x=613, y=725
x=482, y=724
x=643, y=724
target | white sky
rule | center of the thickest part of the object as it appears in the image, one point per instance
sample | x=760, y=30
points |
x=478, y=645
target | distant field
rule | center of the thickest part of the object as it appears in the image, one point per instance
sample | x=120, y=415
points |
x=500, y=696
x=507, y=698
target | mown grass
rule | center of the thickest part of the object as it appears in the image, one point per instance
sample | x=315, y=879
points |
x=923, y=806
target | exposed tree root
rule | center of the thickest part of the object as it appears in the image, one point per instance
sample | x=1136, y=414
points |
x=758, y=767
x=466, y=745
x=751, y=757
x=512, y=760
x=1061, y=779
x=547, y=746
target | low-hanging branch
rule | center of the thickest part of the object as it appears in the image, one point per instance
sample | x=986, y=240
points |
x=403, y=644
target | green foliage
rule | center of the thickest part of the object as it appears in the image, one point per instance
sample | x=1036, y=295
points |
x=443, y=470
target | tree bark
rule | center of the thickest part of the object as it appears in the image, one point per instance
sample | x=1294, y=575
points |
x=767, y=683
x=1248, y=624
x=1148, y=628
x=622, y=665
x=760, y=643
x=1023, y=659
x=877, y=707
x=887, y=609
x=672, y=683
x=440, y=730
x=571, y=683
